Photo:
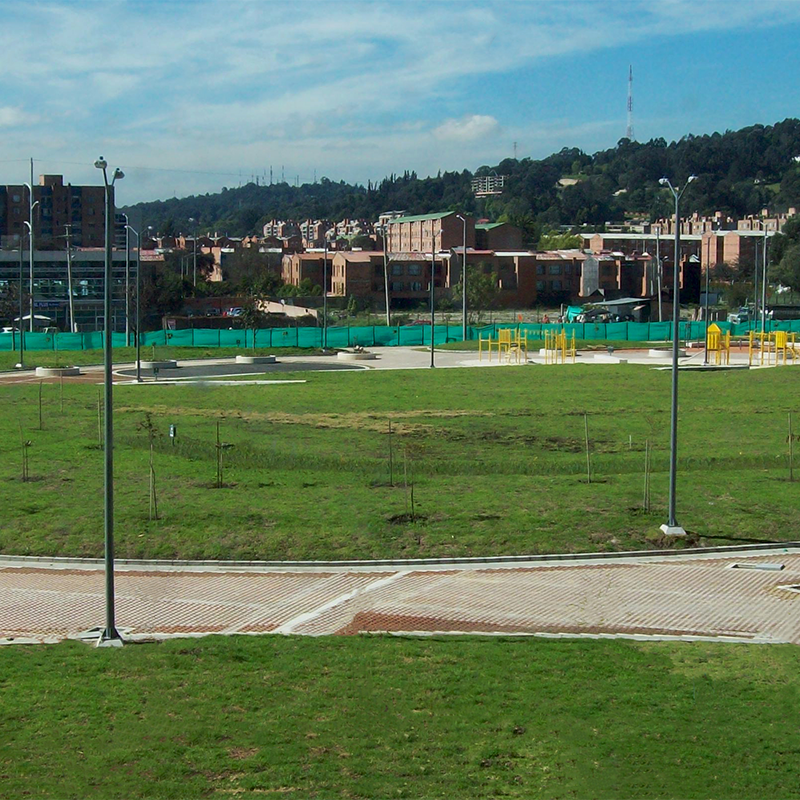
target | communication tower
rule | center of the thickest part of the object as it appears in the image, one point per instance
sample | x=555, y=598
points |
x=629, y=131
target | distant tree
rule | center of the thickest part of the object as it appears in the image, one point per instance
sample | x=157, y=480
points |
x=788, y=270
x=9, y=302
x=559, y=241
x=483, y=290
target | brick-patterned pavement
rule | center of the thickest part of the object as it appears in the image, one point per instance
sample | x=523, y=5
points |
x=663, y=597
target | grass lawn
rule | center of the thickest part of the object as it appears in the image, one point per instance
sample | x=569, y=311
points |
x=378, y=717
x=496, y=458
x=53, y=358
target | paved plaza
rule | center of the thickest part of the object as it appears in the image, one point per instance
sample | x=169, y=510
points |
x=686, y=597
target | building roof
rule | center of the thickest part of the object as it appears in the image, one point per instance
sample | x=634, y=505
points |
x=420, y=217
x=646, y=236
x=487, y=226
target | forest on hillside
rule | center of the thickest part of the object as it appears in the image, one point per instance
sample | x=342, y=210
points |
x=739, y=172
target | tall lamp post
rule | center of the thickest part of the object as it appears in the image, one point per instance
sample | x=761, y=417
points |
x=194, y=252
x=764, y=280
x=325, y=298
x=137, y=329
x=671, y=527
x=29, y=225
x=432, y=283
x=705, y=304
x=463, y=280
x=386, y=273
x=21, y=364
x=110, y=636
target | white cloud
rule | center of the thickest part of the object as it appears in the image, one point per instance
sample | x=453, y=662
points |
x=467, y=129
x=13, y=117
x=352, y=88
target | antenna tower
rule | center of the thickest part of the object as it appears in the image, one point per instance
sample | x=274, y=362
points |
x=629, y=130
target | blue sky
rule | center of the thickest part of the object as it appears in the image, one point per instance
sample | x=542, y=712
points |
x=190, y=96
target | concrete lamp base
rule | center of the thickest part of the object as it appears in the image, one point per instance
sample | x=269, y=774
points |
x=672, y=530
x=108, y=642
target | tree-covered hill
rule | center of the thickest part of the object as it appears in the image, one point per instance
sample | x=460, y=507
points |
x=740, y=172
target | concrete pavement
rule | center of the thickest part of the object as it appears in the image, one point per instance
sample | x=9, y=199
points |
x=685, y=597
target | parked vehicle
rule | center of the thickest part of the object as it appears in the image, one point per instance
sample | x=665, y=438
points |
x=236, y=311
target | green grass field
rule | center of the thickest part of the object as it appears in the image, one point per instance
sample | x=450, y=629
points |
x=379, y=717
x=496, y=458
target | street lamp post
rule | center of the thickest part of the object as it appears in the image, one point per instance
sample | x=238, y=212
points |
x=194, y=252
x=386, y=273
x=705, y=304
x=671, y=527
x=764, y=280
x=658, y=272
x=110, y=636
x=21, y=364
x=432, y=282
x=29, y=225
x=138, y=323
x=325, y=298
x=463, y=280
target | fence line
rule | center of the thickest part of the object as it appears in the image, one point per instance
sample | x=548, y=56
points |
x=376, y=335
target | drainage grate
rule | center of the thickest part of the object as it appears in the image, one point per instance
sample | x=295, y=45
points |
x=757, y=565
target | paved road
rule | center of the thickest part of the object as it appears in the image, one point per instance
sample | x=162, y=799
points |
x=686, y=597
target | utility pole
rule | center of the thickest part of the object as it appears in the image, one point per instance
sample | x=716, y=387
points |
x=68, y=229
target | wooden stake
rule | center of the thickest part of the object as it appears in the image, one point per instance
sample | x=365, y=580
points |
x=40, y=405
x=153, y=498
x=791, y=449
x=24, y=445
x=413, y=509
x=61, y=391
x=219, y=460
x=405, y=476
x=391, y=459
x=646, y=499
x=586, y=434
x=99, y=418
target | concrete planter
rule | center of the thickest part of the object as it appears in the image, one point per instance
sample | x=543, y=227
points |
x=345, y=355
x=664, y=352
x=603, y=358
x=56, y=372
x=169, y=364
x=256, y=359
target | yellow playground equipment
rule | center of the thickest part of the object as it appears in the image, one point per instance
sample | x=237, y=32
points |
x=718, y=344
x=776, y=347
x=510, y=344
x=558, y=347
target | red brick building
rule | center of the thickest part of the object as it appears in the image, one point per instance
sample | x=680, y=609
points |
x=80, y=207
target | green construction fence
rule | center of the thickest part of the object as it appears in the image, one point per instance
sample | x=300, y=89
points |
x=375, y=335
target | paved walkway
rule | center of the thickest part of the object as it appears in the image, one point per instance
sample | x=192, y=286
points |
x=686, y=597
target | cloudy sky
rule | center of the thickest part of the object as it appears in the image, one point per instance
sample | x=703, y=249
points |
x=189, y=96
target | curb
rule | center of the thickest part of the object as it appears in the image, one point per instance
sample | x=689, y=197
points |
x=408, y=562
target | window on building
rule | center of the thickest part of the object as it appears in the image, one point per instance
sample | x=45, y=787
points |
x=568, y=269
x=414, y=269
x=539, y=286
x=397, y=269
x=16, y=198
x=554, y=269
x=540, y=269
x=415, y=286
x=398, y=286
x=556, y=285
